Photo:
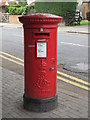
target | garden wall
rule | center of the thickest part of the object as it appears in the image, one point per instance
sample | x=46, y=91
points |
x=13, y=19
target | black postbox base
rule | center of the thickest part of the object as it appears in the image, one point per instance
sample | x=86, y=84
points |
x=40, y=105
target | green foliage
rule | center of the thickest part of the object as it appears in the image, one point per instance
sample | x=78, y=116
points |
x=83, y=23
x=22, y=4
x=58, y=8
x=14, y=5
x=24, y=12
x=12, y=10
x=19, y=9
x=28, y=8
x=16, y=10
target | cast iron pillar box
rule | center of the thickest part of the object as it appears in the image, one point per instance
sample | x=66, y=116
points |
x=40, y=58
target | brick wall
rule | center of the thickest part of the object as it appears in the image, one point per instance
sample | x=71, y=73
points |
x=87, y=9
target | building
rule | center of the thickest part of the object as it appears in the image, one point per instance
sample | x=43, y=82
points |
x=86, y=8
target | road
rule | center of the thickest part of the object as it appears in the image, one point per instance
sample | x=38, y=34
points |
x=72, y=48
x=73, y=51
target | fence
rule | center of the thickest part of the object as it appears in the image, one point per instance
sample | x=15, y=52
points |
x=4, y=17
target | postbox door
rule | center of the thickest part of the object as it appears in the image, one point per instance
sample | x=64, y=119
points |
x=40, y=67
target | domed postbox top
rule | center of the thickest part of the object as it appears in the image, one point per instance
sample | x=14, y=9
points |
x=40, y=18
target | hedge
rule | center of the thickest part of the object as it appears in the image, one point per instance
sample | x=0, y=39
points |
x=58, y=8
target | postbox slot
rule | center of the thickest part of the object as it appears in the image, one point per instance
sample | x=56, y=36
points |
x=41, y=35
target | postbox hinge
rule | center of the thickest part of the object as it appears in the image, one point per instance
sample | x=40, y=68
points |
x=52, y=69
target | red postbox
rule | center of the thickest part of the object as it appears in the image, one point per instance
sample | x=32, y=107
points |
x=40, y=61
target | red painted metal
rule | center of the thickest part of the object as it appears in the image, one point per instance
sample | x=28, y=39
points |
x=40, y=72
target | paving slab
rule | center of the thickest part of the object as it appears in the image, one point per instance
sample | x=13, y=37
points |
x=71, y=104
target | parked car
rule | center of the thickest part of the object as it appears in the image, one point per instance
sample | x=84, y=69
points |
x=88, y=16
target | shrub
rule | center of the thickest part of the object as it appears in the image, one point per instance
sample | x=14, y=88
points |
x=22, y=4
x=14, y=5
x=12, y=10
x=21, y=9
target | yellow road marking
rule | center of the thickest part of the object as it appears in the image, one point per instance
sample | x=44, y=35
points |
x=73, y=78
x=11, y=56
x=73, y=83
x=12, y=60
x=60, y=73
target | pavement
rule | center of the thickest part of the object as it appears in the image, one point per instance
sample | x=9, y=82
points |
x=76, y=29
x=70, y=29
x=10, y=25
x=72, y=101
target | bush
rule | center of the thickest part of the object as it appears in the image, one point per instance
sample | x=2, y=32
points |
x=12, y=10
x=58, y=8
x=14, y=5
x=22, y=4
x=21, y=9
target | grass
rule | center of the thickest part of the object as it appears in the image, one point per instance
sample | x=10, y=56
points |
x=85, y=22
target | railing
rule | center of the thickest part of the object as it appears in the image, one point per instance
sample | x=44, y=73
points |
x=4, y=17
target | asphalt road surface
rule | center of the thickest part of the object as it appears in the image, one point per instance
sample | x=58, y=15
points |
x=72, y=48
x=73, y=51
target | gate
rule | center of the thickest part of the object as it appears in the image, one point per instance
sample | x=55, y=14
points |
x=4, y=17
